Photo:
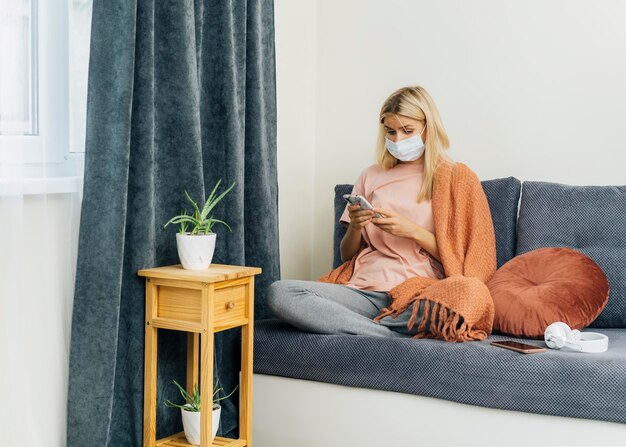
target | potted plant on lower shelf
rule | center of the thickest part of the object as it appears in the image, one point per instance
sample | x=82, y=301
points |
x=196, y=247
x=190, y=411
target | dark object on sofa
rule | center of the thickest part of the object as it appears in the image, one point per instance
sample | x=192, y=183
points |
x=562, y=383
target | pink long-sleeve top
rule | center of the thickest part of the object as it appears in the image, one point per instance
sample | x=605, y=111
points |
x=389, y=260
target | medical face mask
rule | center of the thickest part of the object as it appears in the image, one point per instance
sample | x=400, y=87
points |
x=409, y=149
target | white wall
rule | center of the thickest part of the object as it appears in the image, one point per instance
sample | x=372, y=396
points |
x=533, y=89
x=38, y=240
x=296, y=35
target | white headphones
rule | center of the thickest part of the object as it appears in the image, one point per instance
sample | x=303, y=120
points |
x=560, y=334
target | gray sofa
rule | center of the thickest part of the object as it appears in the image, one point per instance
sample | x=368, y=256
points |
x=591, y=219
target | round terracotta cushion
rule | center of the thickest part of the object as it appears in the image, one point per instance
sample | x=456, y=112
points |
x=535, y=289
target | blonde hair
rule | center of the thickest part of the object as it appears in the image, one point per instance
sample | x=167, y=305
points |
x=416, y=103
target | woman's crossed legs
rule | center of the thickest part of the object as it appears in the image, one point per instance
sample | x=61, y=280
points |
x=335, y=309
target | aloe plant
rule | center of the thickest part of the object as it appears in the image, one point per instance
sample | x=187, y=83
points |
x=200, y=220
x=192, y=401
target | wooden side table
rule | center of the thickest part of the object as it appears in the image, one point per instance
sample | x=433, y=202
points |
x=199, y=302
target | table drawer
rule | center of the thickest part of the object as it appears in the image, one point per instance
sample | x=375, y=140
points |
x=180, y=304
x=230, y=305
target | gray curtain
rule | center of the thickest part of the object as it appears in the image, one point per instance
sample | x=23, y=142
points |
x=181, y=94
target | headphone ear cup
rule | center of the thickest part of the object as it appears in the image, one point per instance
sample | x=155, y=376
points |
x=557, y=334
x=569, y=336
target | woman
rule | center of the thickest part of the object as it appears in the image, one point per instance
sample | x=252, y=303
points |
x=397, y=255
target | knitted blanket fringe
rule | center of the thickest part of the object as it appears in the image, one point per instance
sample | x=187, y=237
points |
x=445, y=323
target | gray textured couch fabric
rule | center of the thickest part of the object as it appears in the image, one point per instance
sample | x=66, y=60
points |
x=591, y=219
x=561, y=383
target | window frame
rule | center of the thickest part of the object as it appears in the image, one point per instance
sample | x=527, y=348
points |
x=47, y=153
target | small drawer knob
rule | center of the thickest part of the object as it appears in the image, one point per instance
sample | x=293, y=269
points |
x=230, y=305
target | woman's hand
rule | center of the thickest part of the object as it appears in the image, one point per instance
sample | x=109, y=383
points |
x=397, y=224
x=359, y=218
x=351, y=242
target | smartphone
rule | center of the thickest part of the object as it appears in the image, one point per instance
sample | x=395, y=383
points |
x=517, y=346
x=361, y=201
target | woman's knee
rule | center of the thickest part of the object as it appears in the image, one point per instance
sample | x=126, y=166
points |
x=279, y=292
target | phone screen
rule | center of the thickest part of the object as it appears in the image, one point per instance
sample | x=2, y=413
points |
x=361, y=201
x=352, y=200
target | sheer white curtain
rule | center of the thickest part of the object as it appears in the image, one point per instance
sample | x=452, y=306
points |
x=43, y=66
x=38, y=234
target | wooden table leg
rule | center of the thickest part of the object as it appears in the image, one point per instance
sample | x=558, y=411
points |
x=150, y=370
x=206, y=390
x=247, y=341
x=193, y=358
x=206, y=367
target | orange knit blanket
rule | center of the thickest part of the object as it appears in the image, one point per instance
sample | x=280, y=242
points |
x=458, y=307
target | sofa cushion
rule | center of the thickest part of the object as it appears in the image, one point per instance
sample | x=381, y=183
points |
x=535, y=289
x=340, y=230
x=590, y=219
x=502, y=195
x=556, y=382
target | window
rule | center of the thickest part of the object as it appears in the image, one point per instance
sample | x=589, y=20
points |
x=79, y=33
x=44, y=56
x=18, y=99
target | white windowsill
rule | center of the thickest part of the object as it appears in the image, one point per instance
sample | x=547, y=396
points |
x=33, y=186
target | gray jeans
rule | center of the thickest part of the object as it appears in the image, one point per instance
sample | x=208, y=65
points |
x=335, y=309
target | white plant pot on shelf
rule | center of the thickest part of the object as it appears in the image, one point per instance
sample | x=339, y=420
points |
x=195, y=252
x=191, y=424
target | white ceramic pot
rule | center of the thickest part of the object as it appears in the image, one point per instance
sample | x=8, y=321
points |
x=191, y=424
x=195, y=252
